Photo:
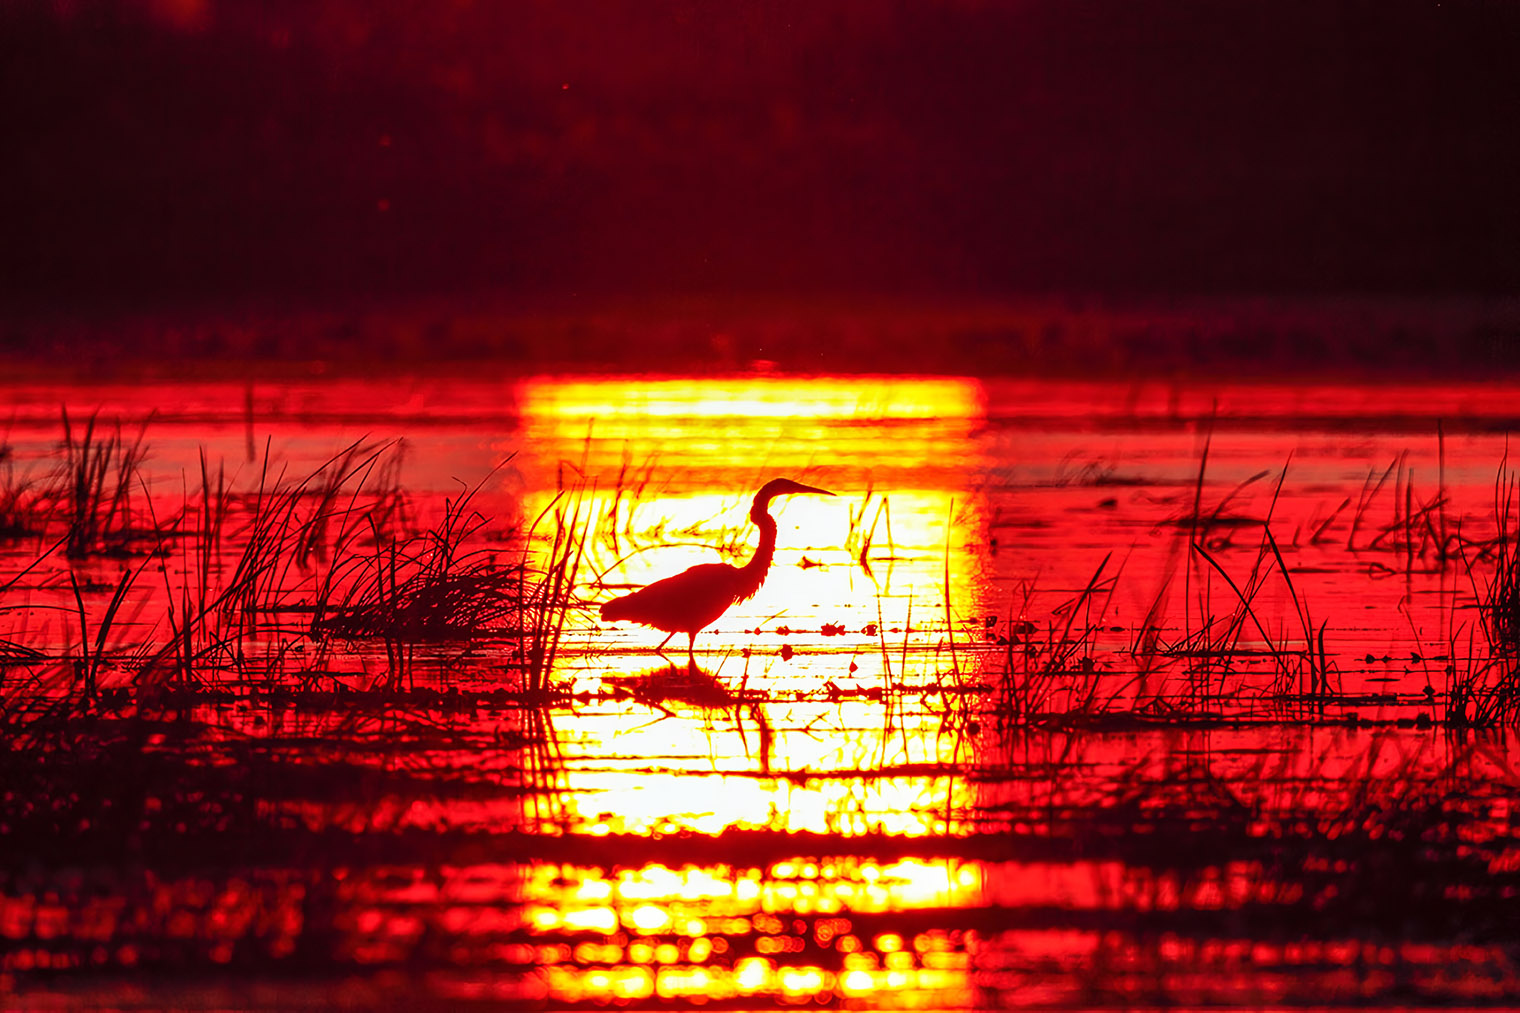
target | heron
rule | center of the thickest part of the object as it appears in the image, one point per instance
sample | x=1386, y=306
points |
x=693, y=599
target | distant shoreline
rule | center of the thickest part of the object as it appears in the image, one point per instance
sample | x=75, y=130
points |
x=1084, y=336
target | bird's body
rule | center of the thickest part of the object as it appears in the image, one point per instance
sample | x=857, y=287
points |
x=693, y=599
x=689, y=602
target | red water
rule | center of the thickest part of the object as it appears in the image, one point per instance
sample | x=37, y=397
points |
x=846, y=805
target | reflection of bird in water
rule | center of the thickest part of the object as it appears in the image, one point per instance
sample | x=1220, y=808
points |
x=695, y=598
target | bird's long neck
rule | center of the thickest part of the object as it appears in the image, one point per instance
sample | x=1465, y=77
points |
x=754, y=571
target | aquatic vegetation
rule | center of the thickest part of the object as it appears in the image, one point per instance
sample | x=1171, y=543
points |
x=1500, y=602
x=26, y=501
x=428, y=586
x=358, y=728
x=1051, y=673
x=102, y=480
x=547, y=600
x=1483, y=679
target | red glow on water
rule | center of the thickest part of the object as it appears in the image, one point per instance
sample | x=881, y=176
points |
x=842, y=801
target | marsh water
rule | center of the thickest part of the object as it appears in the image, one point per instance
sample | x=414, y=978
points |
x=1072, y=694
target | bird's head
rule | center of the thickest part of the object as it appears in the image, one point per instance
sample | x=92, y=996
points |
x=781, y=487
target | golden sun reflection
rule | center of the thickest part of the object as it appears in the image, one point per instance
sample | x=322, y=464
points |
x=848, y=399
x=802, y=929
x=663, y=472
x=796, y=680
x=817, y=707
x=821, y=783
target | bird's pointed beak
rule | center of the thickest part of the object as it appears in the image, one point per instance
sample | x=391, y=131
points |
x=812, y=489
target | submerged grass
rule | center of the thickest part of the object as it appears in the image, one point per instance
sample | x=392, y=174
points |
x=1178, y=844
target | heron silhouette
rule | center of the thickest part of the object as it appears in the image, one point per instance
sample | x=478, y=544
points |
x=694, y=598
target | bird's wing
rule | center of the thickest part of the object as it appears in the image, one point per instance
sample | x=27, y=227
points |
x=683, y=603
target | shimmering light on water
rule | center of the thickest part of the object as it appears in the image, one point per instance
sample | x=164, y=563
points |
x=667, y=468
x=734, y=932
x=829, y=809
x=647, y=402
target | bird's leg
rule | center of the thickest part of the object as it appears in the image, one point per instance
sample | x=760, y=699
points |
x=691, y=658
x=661, y=649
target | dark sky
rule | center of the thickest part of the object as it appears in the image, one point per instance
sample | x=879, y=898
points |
x=165, y=151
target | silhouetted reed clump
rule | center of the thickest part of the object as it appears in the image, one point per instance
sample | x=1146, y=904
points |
x=428, y=587
x=1050, y=674
x=102, y=471
x=259, y=587
x=26, y=503
x=1064, y=673
x=546, y=590
x=1501, y=602
x=1483, y=683
x=96, y=488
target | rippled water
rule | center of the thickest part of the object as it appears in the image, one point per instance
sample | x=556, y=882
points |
x=844, y=801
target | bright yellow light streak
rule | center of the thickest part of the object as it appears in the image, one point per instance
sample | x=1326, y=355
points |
x=903, y=885
x=805, y=980
x=858, y=982
x=595, y=919
x=906, y=806
x=709, y=442
x=843, y=398
x=650, y=803
x=754, y=974
x=589, y=890
x=681, y=436
x=659, y=881
x=862, y=887
x=574, y=985
x=649, y=918
x=686, y=981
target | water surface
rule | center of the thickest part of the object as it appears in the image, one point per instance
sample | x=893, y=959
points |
x=997, y=730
